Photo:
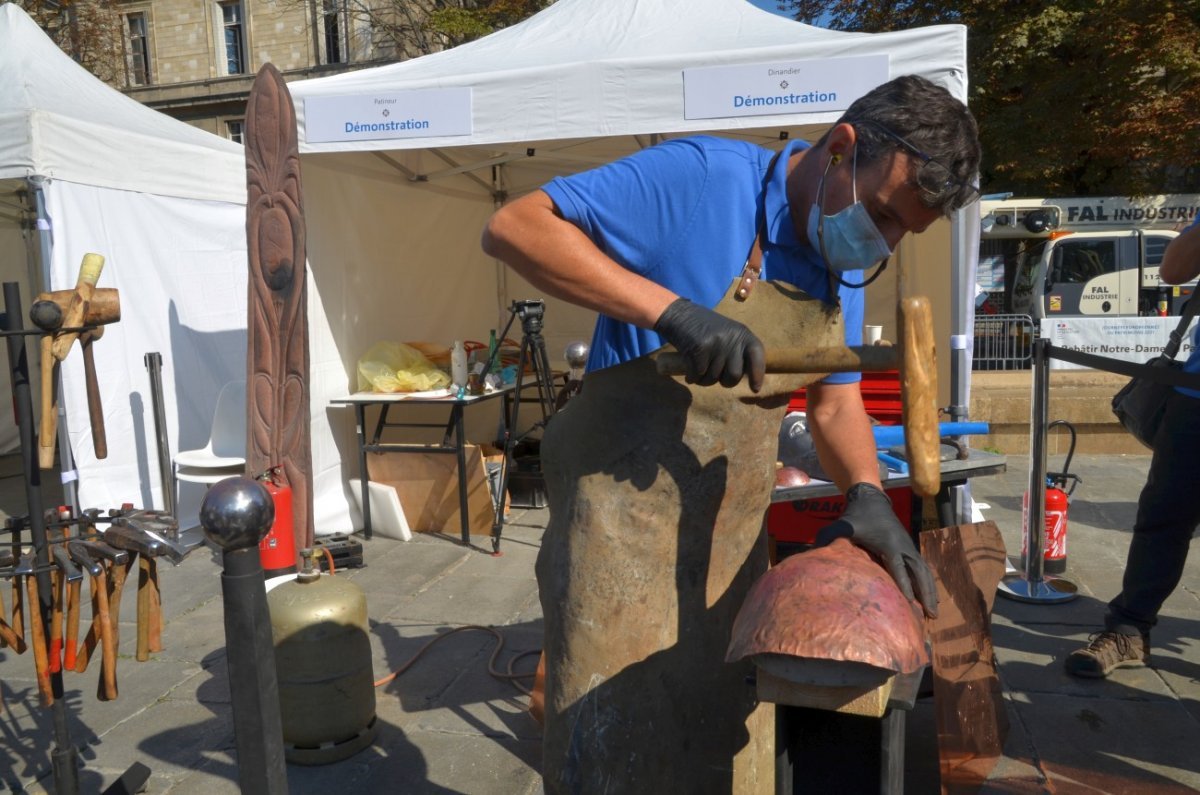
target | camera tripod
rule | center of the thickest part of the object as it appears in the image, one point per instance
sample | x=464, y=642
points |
x=533, y=354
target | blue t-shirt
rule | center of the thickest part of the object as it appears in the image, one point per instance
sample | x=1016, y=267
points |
x=1192, y=365
x=684, y=214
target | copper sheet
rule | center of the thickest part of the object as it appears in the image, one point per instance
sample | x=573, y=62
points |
x=832, y=603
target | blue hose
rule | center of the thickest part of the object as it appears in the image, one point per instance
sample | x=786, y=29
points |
x=892, y=435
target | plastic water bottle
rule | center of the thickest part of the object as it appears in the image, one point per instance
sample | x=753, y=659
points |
x=458, y=364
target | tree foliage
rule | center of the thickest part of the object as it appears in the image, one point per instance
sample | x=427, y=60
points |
x=90, y=32
x=1073, y=97
x=411, y=28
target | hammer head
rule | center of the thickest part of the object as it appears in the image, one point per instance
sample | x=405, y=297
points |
x=83, y=556
x=125, y=537
x=46, y=315
x=99, y=550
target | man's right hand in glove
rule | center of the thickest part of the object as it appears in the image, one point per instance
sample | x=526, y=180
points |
x=716, y=348
x=869, y=522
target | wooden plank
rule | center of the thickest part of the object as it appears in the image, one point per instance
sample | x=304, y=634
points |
x=871, y=702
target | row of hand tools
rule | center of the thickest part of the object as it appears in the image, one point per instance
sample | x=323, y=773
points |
x=105, y=547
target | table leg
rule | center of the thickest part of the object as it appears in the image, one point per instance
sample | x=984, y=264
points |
x=460, y=451
x=360, y=419
x=945, y=507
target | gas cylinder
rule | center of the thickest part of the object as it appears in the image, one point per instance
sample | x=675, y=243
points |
x=323, y=664
x=278, y=547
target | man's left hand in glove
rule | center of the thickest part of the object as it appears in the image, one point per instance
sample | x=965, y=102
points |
x=868, y=522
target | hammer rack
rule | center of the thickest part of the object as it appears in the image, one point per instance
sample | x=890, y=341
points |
x=50, y=535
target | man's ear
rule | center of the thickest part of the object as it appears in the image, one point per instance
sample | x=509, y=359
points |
x=840, y=142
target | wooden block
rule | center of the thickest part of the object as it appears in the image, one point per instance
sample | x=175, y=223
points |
x=870, y=702
x=427, y=484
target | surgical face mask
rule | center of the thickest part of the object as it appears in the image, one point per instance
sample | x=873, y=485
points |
x=848, y=240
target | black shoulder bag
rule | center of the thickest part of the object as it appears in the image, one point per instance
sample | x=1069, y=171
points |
x=1140, y=404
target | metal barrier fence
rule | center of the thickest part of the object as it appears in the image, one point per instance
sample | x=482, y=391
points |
x=1003, y=342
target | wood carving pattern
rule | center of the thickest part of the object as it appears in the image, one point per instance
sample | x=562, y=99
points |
x=277, y=365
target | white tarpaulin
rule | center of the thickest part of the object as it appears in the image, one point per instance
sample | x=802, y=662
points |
x=83, y=168
x=395, y=208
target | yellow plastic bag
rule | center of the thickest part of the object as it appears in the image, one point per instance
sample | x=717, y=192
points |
x=396, y=367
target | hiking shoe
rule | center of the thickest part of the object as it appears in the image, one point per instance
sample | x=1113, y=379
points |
x=1108, y=651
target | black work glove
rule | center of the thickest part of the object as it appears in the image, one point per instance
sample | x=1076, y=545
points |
x=869, y=522
x=715, y=347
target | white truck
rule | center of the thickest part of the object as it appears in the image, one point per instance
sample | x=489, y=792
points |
x=1096, y=256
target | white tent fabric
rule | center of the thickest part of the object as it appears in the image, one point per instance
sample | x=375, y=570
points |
x=83, y=168
x=393, y=225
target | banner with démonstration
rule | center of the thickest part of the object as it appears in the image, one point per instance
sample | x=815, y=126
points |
x=1133, y=339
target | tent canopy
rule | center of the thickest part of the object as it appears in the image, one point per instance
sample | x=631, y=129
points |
x=394, y=223
x=60, y=122
x=83, y=168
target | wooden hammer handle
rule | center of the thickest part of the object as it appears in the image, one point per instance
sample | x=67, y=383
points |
x=71, y=636
x=107, y=687
x=95, y=409
x=838, y=359
x=112, y=585
x=37, y=638
x=918, y=389
x=49, y=426
x=58, y=585
x=7, y=635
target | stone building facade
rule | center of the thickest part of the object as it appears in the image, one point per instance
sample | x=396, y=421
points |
x=195, y=60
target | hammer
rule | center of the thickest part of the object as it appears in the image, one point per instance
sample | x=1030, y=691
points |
x=7, y=635
x=107, y=688
x=106, y=594
x=47, y=314
x=66, y=590
x=37, y=631
x=914, y=357
x=148, y=548
x=59, y=346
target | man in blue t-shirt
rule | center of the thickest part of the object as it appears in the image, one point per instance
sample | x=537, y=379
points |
x=652, y=241
x=1167, y=515
x=655, y=243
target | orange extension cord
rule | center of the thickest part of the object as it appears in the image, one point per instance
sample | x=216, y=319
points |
x=505, y=675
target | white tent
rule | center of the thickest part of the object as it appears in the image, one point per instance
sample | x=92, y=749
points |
x=83, y=168
x=395, y=203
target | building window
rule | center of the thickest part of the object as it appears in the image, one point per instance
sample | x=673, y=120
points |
x=335, y=32
x=234, y=130
x=138, y=55
x=235, y=38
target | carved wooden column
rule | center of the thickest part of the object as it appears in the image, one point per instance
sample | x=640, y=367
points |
x=277, y=427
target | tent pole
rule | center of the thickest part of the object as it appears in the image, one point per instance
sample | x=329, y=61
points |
x=66, y=463
x=498, y=198
x=964, y=258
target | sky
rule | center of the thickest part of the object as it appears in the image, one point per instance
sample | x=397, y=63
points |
x=766, y=5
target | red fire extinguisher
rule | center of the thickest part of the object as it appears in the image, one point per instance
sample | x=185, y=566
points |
x=278, y=547
x=1059, y=487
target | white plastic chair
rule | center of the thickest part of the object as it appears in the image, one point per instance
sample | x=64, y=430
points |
x=225, y=453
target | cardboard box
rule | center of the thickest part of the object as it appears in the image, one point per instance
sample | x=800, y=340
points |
x=427, y=484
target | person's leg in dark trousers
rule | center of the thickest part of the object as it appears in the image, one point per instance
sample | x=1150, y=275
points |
x=1167, y=515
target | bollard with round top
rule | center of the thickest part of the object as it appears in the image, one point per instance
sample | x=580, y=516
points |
x=236, y=514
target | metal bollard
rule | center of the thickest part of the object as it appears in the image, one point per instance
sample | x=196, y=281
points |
x=236, y=514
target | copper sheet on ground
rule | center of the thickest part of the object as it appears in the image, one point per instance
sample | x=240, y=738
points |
x=830, y=603
x=968, y=562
